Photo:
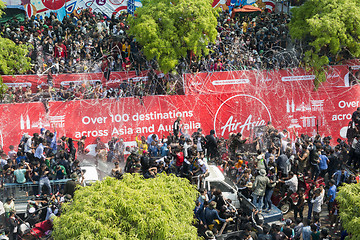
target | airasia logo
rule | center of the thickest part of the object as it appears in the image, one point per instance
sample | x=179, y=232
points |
x=240, y=113
x=333, y=76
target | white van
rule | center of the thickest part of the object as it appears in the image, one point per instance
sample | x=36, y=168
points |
x=217, y=179
x=90, y=174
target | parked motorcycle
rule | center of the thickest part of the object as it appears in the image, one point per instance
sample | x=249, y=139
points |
x=286, y=200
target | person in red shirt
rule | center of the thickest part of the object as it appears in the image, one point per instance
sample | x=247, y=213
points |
x=126, y=65
x=60, y=50
x=105, y=67
x=179, y=156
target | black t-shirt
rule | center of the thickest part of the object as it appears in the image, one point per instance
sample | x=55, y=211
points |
x=70, y=144
x=313, y=155
x=210, y=142
x=334, y=164
x=145, y=163
x=288, y=232
x=176, y=127
x=43, y=173
x=356, y=117
x=279, y=236
x=7, y=170
x=272, y=178
x=48, y=48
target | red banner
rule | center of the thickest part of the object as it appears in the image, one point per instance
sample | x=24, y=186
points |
x=253, y=80
x=327, y=111
x=203, y=83
x=64, y=79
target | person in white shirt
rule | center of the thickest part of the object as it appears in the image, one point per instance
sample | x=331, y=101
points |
x=12, y=153
x=187, y=145
x=39, y=153
x=27, y=147
x=3, y=162
x=292, y=182
x=284, y=139
x=317, y=202
x=2, y=214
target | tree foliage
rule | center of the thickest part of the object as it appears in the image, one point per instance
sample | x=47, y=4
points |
x=328, y=28
x=3, y=89
x=13, y=58
x=349, y=201
x=168, y=29
x=131, y=208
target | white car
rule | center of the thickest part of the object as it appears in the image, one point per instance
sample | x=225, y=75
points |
x=90, y=174
x=217, y=179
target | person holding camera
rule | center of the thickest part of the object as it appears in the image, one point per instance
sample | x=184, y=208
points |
x=236, y=142
x=199, y=140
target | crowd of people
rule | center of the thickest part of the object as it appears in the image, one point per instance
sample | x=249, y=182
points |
x=247, y=42
x=154, y=85
x=308, y=168
x=275, y=168
x=30, y=166
x=92, y=42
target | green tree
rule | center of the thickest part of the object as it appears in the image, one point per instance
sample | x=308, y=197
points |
x=3, y=89
x=349, y=202
x=328, y=28
x=168, y=29
x=131, y=208
x=13, y=58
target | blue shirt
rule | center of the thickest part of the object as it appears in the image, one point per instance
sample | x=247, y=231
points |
x=332, y=193
x=306, y=233
x=199, y=212
x=153, y=150
x=339, y=177
x=164, y=150
x=20, y=158
x=211, y=215
x=323, y=162
x=53, y=142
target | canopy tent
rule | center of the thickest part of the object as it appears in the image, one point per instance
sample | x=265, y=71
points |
x=11, y=13
x=247, y=9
